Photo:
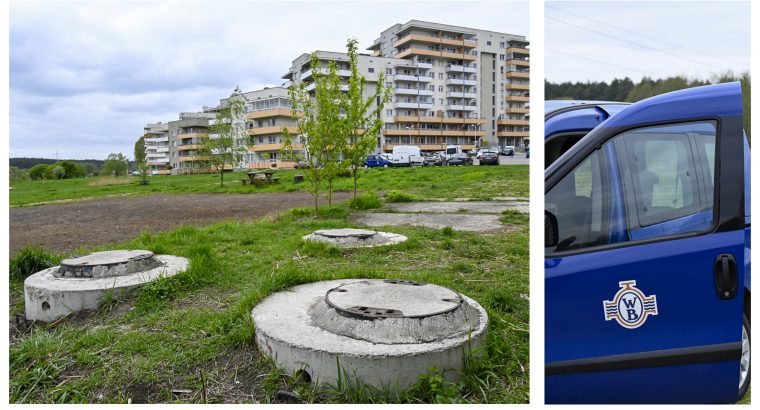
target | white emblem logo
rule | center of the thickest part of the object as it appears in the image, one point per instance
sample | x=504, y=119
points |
x=630, y=307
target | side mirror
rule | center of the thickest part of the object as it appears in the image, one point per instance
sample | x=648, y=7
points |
x=551, y=232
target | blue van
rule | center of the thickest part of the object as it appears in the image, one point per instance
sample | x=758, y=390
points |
x=647, y=249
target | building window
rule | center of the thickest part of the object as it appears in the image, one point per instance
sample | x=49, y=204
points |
x=440, y=76
x=501, y=45
x=389, y=113
x=389, y=71
x=440, y=88
x=371, y=69
x=488, y=43
x=501, y=57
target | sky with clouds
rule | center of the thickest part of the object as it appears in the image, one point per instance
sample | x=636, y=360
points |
x=86, y=77
x=600, y=41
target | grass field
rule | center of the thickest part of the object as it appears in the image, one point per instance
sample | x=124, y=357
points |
x=472, y=181
x=189, y=338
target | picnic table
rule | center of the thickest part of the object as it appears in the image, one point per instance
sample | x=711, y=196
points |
x=263, y=177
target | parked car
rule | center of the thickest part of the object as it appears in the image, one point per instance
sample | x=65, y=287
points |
x=647, y=267
x=136, y=173
x=508, y=150
x=459, y=159
x=376, y=160
x=432, y=160
x=489, y=157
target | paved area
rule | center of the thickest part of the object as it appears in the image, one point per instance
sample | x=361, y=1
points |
x=472, y=216
x=481, y=207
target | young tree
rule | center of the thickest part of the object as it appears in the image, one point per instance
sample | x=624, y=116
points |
x=140, y=158
x=116, y=164
x=226, y=143
x=362, y=122
x=320, y=125
x=37, y=172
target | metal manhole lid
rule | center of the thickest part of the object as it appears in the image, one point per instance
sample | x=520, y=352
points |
x=392, y=298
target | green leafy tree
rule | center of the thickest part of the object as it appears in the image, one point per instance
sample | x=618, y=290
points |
x=320, y=124
x=16, y=174
x=362, y=123
x=64, y=170
x=116, y=164
x=141, y=158
x=226, y=144
x=37, y=172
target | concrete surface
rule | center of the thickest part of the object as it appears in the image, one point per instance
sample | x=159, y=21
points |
x=48, y=297
x=440, y=207
x=459, y=222
x=107, y=264
x=354, y=238
x=408, y=299
x=286, y=331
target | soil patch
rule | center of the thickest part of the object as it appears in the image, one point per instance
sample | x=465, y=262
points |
x=63, y=227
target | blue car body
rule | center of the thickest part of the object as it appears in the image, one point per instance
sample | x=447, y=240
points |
x=376, y=160
x=682, y=342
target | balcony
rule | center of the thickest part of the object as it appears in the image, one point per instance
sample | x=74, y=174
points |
x=270, y=147
x=518, y=62
x=512, y=133
x=275, y=129
x=513, y=86
x=195, y=135
x=158, y=161
x=518, y=74
x=518, y=110
x=424, y=65
x=414, y=105
x=523, y=98
x=456, y=81
x=308, y=73
x=420, y=38
x=272, y=112
x=155, y=140
x=162, y=149
x=452, y=94
x=518, y=50
x=414, y=51
x=412, y=91
x=415, y=78
x=461, y=107
x=453, y=68
x=313, y=86
x=188, y=147
x=512, y=122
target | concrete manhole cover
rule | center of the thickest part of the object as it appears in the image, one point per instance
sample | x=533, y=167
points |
x=389, y=298
x=384, y=332
x=83, y=282
x=354, y=238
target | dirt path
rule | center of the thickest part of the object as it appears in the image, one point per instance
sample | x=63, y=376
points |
x=63, y=227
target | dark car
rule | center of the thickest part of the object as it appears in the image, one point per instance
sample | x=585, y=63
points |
x=376, y=160
x=489, y=158
x=460, y=159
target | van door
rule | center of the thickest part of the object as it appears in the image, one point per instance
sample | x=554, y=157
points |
x=642, y=299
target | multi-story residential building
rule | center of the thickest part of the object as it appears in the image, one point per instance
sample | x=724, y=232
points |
x=450, y=85
x=156, y=143
x=268, y=111
x=185, y=139
x=470, y=72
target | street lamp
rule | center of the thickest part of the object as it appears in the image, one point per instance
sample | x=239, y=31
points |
x=410, y=134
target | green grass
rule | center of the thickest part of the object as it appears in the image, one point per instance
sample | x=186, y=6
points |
x=444, y=182
x=193, y=332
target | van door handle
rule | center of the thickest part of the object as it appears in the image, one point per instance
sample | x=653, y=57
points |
x=726, y=276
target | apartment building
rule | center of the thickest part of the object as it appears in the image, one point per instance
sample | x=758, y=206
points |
x=267, y=112
x=465, y=78
x=450, y=85
x=156, y=141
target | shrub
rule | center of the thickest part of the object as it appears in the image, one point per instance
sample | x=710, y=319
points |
x=367, y=200
x=511, y=216
x=398, y=196
x=37, y=172
x=30, y=260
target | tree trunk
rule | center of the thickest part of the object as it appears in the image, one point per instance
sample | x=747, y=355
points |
x=329, y=194
x=221, y=173
x=356, y=171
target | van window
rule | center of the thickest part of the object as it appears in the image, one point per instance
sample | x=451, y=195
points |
x=580, y=202
x=668, y=173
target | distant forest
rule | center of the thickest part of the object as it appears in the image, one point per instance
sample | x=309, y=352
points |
x=626, y=90
x=26, y=163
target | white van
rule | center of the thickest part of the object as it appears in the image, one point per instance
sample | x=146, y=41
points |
x=406, y=155
x=453, y=149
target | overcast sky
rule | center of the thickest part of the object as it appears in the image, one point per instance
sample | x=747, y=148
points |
x=86, y=77
x=605, y=40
